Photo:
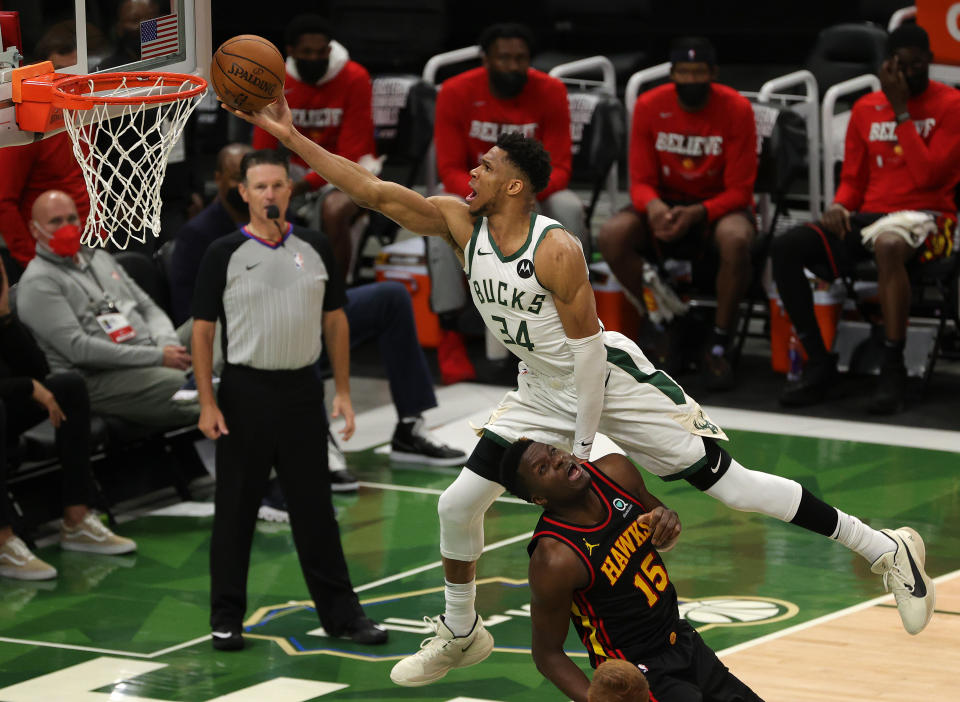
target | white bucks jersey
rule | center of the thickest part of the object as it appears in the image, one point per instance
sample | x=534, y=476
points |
x=516, y=308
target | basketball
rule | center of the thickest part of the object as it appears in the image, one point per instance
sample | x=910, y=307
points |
x=247, y=72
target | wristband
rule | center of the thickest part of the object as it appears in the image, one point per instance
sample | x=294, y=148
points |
x=902, y=117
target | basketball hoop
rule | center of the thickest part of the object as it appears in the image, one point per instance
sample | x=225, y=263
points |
x=123, y=127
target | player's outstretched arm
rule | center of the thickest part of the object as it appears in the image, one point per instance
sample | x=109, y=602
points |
x=555, y=572
x=428, y=216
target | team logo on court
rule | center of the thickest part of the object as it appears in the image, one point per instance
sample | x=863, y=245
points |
x=710, y=612
x=525, y=268
x=294, y=628
x=622, y=506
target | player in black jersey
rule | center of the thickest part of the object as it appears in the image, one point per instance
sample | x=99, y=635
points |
x=594, y=558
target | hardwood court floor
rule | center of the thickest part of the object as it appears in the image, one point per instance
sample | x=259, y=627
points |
x=135, y=627
x=859, y=657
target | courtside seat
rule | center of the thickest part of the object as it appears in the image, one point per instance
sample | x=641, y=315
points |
x=598, y=125
x=844, y=51
x=403, y=111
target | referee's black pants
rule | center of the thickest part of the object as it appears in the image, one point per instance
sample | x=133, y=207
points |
x=276, y=419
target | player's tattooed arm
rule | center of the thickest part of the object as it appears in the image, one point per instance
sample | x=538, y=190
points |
x=555, y=572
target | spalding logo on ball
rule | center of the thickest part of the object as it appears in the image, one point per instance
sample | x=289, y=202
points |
x=247, y=72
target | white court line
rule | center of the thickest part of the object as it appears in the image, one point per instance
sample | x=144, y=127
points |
x=206, y=637
x=840, y=429
x=823, y=620
x=431, y=491
x=71, y=647
x=437, y=564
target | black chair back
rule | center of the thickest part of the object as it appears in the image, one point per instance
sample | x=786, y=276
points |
x=598, y=130
x=781, y=149
x=845, y=51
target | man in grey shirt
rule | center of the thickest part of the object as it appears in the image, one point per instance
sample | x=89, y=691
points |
x=89, y=316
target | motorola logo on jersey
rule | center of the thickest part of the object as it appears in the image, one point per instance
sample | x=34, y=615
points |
x=525, y=268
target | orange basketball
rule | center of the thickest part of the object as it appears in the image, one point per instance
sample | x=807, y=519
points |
x=247, y=72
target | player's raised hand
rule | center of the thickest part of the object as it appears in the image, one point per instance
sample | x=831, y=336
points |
x=664, y=526
x=275, y=118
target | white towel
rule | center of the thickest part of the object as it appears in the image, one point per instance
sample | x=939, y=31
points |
x=913, y=227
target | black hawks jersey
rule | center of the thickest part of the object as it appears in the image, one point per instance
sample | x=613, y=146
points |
x=629, y=609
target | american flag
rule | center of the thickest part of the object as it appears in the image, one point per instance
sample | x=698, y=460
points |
x=159, y=37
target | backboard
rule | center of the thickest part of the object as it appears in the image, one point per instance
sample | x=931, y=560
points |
x=89, y=36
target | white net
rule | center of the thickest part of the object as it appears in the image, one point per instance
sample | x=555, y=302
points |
x=123, y=151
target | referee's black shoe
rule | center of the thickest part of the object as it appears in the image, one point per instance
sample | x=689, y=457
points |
x=412, y=443
x=364, y=630
x=227, y=639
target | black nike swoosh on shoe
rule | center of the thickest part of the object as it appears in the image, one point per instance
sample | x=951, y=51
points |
x=919, y=587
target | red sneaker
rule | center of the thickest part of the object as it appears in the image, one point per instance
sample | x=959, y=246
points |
x=455, y=364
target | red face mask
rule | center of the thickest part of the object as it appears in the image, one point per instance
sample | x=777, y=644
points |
x=65, y=241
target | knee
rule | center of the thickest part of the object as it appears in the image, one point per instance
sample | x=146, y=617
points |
x=454, y=510
x=785, y=249
x=618, y=235
x=69, y=388
x=734, y=238
x=890, y=250
x=394, y=297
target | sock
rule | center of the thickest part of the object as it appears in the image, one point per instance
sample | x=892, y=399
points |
x=460, y=613
x=858, y=537
x=719, y=341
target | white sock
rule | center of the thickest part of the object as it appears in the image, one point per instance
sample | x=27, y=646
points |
x=858, y=537
x=460, y=614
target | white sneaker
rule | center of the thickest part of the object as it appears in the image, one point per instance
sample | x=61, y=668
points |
x=439, y=654
x=335, y=458
x=903, y=574
x=19, y=563
x=92, y=536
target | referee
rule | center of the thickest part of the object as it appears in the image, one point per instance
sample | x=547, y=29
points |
x=277, y=292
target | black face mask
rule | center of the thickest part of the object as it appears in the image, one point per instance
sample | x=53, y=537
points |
x=917, y=83
x=312, y=71
x=507, y=84
x=235, y=200
x=693, y=94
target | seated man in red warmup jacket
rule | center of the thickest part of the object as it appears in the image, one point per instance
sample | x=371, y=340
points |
x=331, y=99
x=895, y=203
x=693, y=162
x=473, y=108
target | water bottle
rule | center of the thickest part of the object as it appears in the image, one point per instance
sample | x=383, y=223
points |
x=795, y=354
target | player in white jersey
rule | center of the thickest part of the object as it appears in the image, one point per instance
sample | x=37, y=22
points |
x=529, y=279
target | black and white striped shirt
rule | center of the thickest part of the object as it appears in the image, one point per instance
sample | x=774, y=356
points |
x=270, y=297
